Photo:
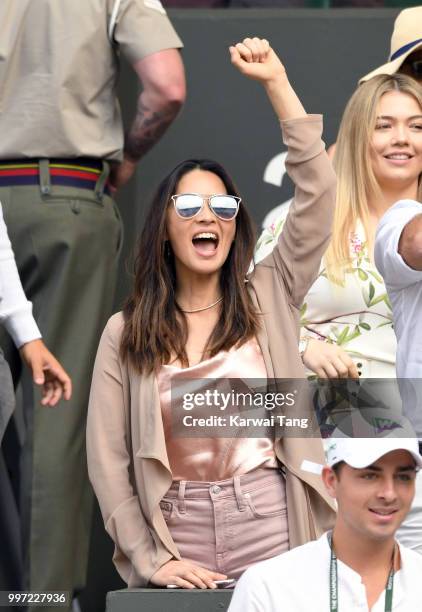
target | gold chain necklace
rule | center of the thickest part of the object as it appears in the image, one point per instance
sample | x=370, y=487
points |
x=203, y=308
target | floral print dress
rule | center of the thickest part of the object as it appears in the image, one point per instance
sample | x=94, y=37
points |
x=356, y=316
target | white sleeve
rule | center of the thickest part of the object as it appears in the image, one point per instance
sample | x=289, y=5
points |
x=391, y=265
x=251, y=594
x=15, y=310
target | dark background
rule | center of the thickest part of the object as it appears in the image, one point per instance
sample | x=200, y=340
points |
x=228, y=117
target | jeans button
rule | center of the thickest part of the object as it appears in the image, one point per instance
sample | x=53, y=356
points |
x=216, y=489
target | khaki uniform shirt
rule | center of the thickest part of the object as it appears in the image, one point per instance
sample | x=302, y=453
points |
x=58, y=72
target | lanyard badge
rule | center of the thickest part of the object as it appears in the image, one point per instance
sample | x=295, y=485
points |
x=388, y=607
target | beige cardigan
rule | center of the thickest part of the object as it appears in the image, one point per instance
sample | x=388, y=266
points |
x=127, y=459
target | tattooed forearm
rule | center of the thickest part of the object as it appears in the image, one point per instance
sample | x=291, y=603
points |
x=148, y=127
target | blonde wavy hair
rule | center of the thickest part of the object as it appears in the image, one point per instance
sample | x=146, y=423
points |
x=355, y=178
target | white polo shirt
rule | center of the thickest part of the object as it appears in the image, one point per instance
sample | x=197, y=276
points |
x=404, y=286
x=298, y=581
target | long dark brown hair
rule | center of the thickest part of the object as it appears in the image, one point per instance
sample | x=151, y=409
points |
x=155, y=329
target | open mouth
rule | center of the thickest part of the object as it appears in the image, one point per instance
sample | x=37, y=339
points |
x=205, y=243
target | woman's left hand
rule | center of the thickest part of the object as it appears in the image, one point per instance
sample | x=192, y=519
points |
x=254, y=58
x=329, y=360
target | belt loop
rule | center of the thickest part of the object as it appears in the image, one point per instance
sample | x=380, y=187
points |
x=101, y=181
x=181, y=497
x=238, y=492
x=44, y=176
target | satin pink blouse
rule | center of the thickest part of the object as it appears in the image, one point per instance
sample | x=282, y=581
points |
x=218, y=458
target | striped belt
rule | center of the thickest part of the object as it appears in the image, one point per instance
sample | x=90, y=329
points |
x=78, y=172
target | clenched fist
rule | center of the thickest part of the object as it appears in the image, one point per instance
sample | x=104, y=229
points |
x=256, y=59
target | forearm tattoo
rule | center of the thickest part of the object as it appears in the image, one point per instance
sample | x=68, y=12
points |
x=148, y=127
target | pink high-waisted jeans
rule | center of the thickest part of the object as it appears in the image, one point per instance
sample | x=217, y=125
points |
x=229, y=525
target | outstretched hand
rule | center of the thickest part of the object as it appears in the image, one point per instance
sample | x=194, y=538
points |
x=47, y=372
x=254, y=58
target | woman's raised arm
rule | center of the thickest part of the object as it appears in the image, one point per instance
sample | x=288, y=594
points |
x=306, y=230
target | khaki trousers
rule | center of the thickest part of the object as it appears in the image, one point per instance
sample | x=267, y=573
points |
x=66, y=245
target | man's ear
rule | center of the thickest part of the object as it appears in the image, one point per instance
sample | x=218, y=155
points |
x=330, y=480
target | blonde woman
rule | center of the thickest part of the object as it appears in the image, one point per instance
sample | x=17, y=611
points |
x=378, y=160
x=346, y=318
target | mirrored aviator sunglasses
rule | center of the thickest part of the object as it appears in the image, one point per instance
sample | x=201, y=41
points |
x=188, y=205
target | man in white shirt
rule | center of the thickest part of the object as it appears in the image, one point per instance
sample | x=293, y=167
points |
x=360, y=566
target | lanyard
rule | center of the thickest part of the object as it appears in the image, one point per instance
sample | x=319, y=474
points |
x=334, y=582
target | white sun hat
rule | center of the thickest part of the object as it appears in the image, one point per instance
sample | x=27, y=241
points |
x=406, y=38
